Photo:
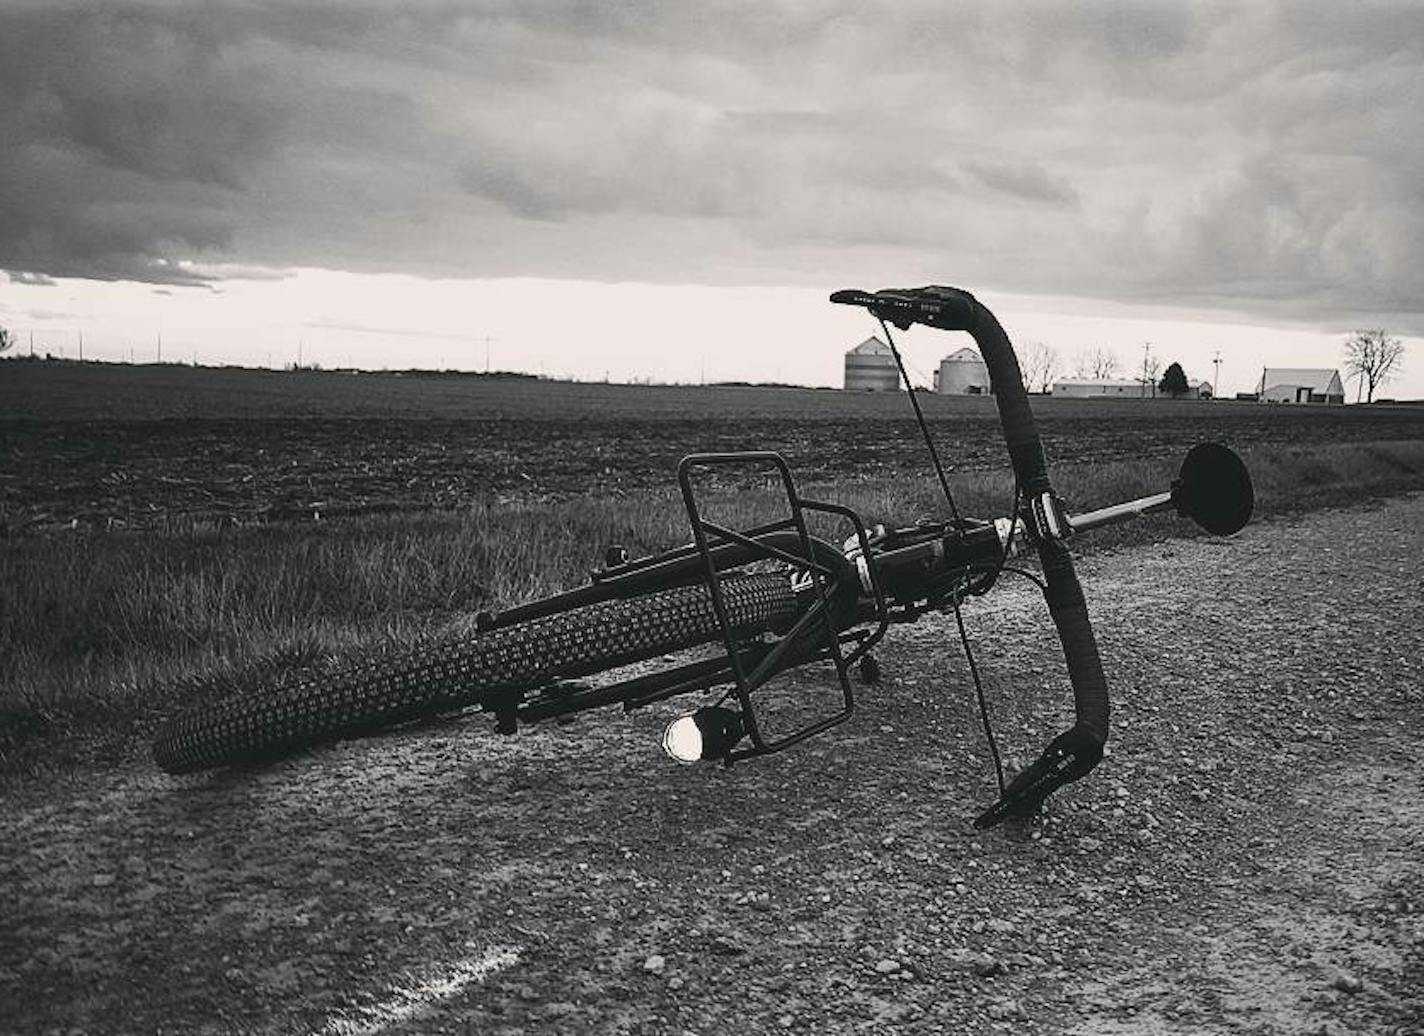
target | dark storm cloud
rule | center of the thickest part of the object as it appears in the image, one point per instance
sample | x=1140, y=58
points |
x=123, y=140
x=1265, y=156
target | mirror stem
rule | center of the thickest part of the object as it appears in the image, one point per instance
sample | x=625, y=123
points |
x=1120, y=512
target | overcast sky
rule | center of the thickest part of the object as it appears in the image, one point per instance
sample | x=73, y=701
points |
x=660, y=189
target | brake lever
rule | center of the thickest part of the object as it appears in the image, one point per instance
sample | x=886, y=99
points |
x=1069, y=756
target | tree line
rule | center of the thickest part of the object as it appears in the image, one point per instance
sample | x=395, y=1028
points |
x=1371, y=357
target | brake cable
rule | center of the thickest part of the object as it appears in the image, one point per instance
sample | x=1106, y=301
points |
x=924, y=428
x=984, y=583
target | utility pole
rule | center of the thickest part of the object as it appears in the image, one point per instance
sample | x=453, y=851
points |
x=487, y=354
x=1146, y=352
x=81, y=345
x=160, y=347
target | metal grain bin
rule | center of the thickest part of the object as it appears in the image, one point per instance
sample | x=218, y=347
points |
x=962, y=373
x=870, y=367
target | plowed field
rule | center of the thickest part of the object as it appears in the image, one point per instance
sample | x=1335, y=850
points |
x=129, y=447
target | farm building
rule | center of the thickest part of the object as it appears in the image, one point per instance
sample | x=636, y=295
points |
x=1195, y=390
x=962, y=373
x=1301, y=385
x=1089, y=388
x=870, y=367
x=1123, y=388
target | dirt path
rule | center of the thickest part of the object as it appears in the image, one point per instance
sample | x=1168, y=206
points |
x=1250, y=858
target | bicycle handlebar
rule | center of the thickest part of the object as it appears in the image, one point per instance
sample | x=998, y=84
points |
x=1077, y=750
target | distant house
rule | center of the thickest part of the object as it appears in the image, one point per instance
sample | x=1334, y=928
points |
x=962, y=373
x=1301, y=385
x=1195, y=390
x=870, y=367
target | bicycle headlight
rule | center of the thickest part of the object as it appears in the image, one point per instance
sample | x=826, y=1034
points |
x=708, y=733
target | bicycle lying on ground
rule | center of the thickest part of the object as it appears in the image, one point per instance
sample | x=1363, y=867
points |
x=772, y=597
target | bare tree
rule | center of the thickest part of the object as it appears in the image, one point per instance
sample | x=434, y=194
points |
x=1039, y=362
x=1097, y=362
x=1151, y=372
x=6, y=339
x=1373, y=357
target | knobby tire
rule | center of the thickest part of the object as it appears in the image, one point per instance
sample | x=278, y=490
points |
x=475, y=670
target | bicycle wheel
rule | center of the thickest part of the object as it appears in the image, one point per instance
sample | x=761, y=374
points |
x=450, y=676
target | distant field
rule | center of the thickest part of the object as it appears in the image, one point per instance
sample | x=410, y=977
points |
x=132, y=447
x=68, y=391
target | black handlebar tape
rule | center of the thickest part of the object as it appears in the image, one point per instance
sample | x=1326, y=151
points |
x=953, y=309
x=1064, y=593
x=1085, y=670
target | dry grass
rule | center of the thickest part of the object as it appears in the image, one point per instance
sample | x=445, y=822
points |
x=111, y=628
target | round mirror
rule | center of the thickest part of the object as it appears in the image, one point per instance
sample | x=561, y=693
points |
x=1214, y=489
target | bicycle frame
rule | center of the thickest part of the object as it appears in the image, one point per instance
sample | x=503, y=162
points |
x=1212, y=488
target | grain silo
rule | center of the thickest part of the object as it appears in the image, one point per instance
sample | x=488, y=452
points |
x=870, y=367
x=962, y=373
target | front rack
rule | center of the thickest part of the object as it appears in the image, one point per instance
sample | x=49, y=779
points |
x=814, y=635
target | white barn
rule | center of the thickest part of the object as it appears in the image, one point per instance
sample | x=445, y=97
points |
x=870, y=367
x=962, y=373
x=1300, y=385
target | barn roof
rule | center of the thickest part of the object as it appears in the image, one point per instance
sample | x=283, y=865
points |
x=870, y=347
x=965, y=355
x=1318, y=379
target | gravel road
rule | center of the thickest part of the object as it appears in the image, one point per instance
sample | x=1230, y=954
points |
x=1249, y=858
